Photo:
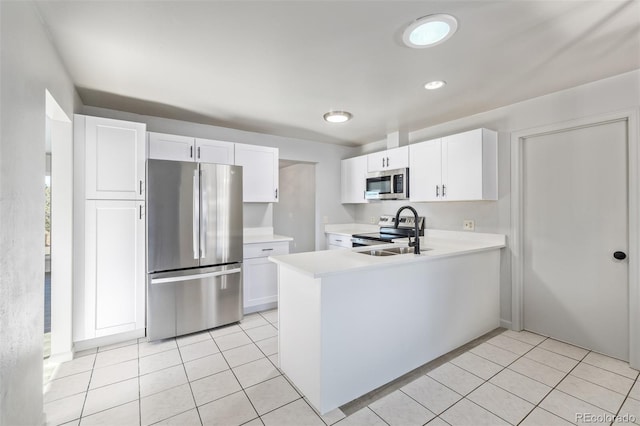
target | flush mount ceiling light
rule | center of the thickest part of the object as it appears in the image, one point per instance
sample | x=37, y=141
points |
x=433, y=85
x=429, y=30
x=337, y=116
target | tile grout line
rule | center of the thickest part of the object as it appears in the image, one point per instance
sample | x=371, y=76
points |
x=617, y=413
x=559, y=390
x=487, y=380
x=195, y=403
x=139, y=390
x=242, y=387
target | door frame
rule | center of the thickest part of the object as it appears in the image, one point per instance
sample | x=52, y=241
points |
x=632, y=117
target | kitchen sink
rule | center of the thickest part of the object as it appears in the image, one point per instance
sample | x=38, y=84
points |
x=391, y=251
x=378, y=253
x=400, y=250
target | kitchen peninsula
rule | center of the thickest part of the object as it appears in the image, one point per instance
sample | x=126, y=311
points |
x=350, y=322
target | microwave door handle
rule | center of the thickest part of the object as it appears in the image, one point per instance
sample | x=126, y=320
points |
x=196, y=213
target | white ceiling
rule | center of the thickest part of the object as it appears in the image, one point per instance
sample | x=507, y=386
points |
x=277, y=66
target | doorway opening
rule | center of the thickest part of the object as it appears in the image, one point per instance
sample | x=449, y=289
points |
x=58, y=192
x=295, y=213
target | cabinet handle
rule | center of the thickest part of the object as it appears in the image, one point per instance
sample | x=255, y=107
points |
x=444, y=190
x=387, y=161
x=198, y=153
x=339, y=241
x=276, y=193
x=191, y=152
x=269, y=249
x=140, y=214
x=437, y=190
x=141, y=187
x=382, y=161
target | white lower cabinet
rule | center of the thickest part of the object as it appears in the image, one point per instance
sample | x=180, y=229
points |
x=260, y=276
x=114, y=287
x=338, y=241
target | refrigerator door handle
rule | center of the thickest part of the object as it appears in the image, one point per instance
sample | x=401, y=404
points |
x=195, y=276
x=196, y=213
x=204, y=217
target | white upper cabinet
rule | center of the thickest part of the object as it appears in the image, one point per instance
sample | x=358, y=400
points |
x=396, y=158
x=425, y=171
x=170, y=147
x=352, y=179
x=212, y=151
x=259, y=172
x=183, y=148
x=461, y=167
x=114, y=158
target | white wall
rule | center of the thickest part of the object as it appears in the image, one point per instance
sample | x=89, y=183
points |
x=28, y=66
x=294, y=214
x=327, y=157
x=612, y=94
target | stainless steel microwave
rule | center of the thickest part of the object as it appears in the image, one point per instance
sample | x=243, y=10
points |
x=388, y=185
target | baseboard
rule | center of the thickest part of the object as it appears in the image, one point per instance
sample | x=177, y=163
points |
x=107, y=340
x=259, y=308
x=505, y=324
x=61, y=357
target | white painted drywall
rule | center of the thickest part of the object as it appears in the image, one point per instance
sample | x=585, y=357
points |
x=29, y=65
x=326, y=156
x=294, y=214
x=61, y=239
x=611, y=94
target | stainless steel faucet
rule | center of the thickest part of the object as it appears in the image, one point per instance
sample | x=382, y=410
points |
x=416, y=234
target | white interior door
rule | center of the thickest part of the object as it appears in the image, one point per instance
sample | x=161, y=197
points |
x=575, y=218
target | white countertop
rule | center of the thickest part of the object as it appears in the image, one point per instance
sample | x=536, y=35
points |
x=349, y=229
x=434, y=245
x=263, y=235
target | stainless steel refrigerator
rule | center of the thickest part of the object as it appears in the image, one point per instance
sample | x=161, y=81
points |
x=194, y=247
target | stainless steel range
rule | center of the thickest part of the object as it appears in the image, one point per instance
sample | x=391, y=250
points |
x=388, y=232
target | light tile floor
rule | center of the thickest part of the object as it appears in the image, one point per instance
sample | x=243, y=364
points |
x=228, y=376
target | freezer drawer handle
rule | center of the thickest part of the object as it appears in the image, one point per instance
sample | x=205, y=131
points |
x=269, y=249
x=195, y=277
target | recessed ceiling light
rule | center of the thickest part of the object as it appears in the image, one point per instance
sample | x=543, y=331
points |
x=337, y=116
x=433, y=85
x=429, y=30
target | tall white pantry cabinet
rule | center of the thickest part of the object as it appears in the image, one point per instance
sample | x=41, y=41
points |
x=109, y=227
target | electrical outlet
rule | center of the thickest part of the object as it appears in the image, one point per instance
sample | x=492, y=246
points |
x=372, y=219
x=468, y=225
x=325, y=219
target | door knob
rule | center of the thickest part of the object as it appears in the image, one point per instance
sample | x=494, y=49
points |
x=620, y=255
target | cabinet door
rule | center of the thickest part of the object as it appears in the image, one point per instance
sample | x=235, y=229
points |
x=260, y=282
x=259, y=172
x=114, y=267
x=170, y=147
x=353, y=180
x=397, y=158
x=462, y=166
x=377, y=161
x=212, y=151
x=115, y=156
x=425, y=171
